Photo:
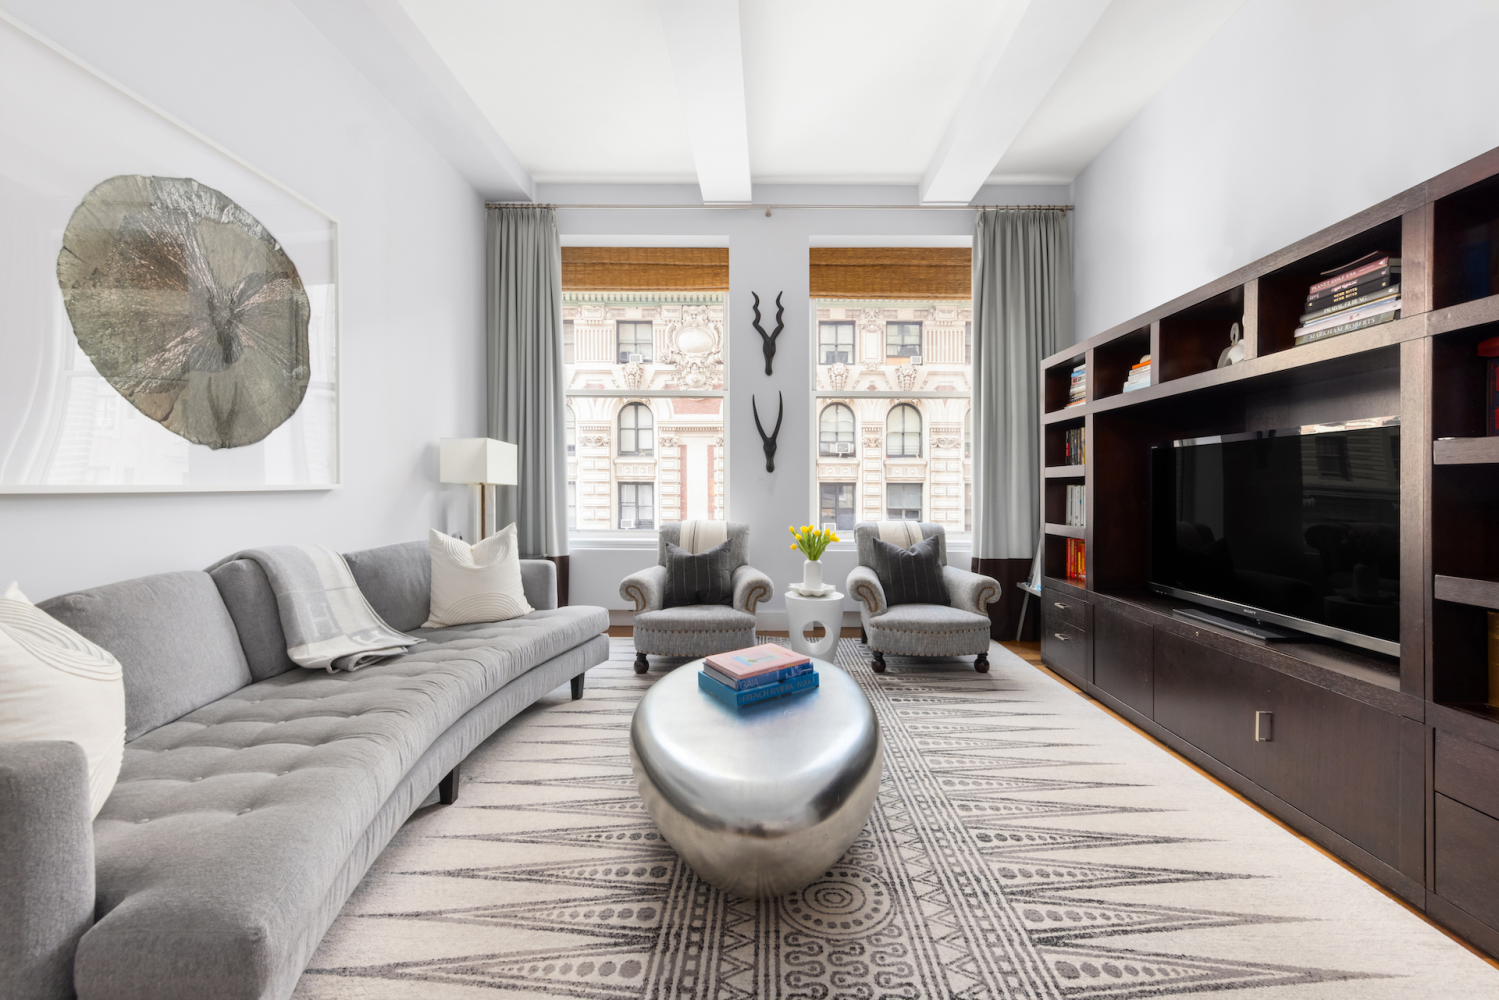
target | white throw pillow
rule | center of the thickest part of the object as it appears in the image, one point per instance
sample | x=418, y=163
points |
x=56, y=685
x=475, y=583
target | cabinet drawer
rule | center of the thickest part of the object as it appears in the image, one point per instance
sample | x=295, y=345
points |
x=1467, y=859
x=1066, y=646
x=1063, y=609
x=1468, y=773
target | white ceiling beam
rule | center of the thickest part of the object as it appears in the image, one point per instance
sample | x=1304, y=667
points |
x=1017, y=72
x=708, y=63
x=385, y=45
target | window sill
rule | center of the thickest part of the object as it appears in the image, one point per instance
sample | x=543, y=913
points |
x=584, y=540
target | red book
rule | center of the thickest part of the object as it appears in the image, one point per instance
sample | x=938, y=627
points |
x=756, y=660
x=1355, y=273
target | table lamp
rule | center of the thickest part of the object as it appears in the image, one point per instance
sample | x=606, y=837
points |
x=481, y=463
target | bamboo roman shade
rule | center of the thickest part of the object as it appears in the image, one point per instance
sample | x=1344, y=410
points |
x=891, y=272
x=655, y=269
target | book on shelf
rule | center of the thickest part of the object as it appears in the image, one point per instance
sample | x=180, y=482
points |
x=1139, y=375
x=1077, y=506
x=1077, y=387
x=1073, y=451
x=759, y=680
x=1383, y=292
x=1354, y=272
x=1076, y=561
x=1349, y=315
x=1333, y=331
x=738, y=699
x=754, y=660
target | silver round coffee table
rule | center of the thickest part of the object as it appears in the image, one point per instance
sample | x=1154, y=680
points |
x=759, y=800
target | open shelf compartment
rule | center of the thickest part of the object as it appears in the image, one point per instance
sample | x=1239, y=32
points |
x=1113, y=360
x=1058, y=436
x=1058, y=383
x=1192, y=339
x=1466, y=244
x=1458, y=374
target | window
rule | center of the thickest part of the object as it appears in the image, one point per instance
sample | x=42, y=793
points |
x=968, y=343
x=634, y=338
x=572, y=506
x=903, y=432
x=968, y=506
x=1332, y=456
x=835, y=343
x=571, y=432
x=968, y=434
x=903, y=502
x=569, y=354
x=902, y=340
x=835, y=435
x=837, y=507
x=637, y=508
x=636, y=430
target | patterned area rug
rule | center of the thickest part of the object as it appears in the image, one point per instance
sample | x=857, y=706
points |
x=1024, y=844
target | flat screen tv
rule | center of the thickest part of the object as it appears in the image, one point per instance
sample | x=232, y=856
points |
x=1298, y=528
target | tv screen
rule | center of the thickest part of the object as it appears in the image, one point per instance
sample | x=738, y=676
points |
x=1299, y=528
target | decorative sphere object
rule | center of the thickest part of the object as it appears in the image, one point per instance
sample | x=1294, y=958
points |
x=188, y=307
x=761, y=800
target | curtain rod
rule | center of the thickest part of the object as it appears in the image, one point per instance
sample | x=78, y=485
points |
x=792, y=208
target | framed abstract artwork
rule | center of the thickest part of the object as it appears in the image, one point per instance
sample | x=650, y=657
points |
x=168, y=314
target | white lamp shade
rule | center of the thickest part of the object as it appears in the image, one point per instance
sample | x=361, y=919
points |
x=477, y=460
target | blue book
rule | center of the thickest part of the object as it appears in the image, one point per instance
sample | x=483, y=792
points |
x=759, y=680
x=738, y=699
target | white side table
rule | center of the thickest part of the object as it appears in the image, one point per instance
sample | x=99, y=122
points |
x=802, y=612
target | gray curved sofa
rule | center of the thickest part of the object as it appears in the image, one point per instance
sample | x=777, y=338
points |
x=254, y=793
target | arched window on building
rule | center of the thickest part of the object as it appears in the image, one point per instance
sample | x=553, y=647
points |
x=637, y=430
x=903, y=432
x=835, y=431
x=968, y=434
x=572, y=432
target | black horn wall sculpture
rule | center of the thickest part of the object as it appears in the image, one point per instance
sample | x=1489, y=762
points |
x=768, y=340
x=769, y=439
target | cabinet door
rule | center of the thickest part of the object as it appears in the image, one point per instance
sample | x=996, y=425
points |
x=1335, y=759
x=1467, y=859
x=1122, y=659
x=1207, y=698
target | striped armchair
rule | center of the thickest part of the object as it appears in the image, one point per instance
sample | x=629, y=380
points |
x=697, y=629
x=959, y=628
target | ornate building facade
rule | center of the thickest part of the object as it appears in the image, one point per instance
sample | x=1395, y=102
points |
x=645, y=385
x=891, y=421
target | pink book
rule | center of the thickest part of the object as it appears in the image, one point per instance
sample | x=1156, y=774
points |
x=756, y=660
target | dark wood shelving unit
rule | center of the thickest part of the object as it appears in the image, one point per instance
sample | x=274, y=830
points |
x=1392, y=763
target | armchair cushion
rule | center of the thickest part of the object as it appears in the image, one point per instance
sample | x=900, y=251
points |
x=864, y=585
x=698, y=630
x=705, y=578
x=928, y=630
x=910, y=576
x=750, y=588
x=970, y=591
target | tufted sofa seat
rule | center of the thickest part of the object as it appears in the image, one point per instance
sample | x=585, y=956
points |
x=238, y=828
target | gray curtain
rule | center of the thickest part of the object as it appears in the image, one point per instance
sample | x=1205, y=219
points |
x=523, y=318
x=1022, y=312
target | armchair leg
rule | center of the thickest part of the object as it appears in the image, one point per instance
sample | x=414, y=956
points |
x=578, y=686
x=879, y=662
x=981, y=663
x=863, y=636
x=447, y=788
x=641, y=663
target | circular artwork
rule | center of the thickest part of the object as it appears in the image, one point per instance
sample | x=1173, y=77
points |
x=188, y=307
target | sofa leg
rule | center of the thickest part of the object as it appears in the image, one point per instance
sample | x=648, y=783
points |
x=981, y=663
x=863, y=636
x=447, y=788
x=641, y=663
x=879, y=662
x=578, y=686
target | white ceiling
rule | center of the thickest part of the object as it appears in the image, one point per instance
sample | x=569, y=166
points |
x=833, y=91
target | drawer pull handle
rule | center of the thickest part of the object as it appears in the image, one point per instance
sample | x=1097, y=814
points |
x=1060, y=636
x=1059, y=604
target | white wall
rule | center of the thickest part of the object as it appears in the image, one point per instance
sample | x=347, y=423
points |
x=1297, y=114
x=768, y=256
x=256, y=77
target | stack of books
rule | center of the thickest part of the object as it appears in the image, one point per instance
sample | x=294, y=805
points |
x=1139, y=375
x=1075, y=446
x=759, y=673
x=1077, y=505
x=1077, y=392
x=1077, y=564
x=1365, y=293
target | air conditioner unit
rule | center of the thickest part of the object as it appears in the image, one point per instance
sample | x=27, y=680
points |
x=830, y=526
x=916, y=359
x=843, y=448
x=636, y=359
x=627, y=522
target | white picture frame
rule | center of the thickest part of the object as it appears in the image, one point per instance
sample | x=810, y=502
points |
x=63, y=428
